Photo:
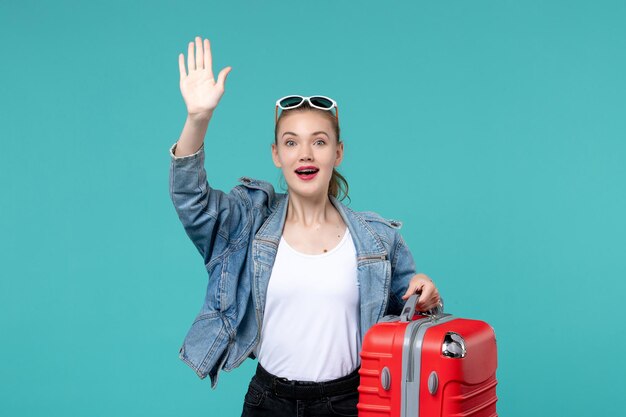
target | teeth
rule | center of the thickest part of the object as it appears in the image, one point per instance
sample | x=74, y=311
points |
x=307, y=171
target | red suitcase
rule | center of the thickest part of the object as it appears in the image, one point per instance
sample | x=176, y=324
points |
x=428, y=365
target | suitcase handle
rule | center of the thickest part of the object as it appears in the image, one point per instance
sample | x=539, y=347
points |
x=409, y=309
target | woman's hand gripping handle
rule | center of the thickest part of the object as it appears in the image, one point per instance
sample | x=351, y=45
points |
x=429, y=297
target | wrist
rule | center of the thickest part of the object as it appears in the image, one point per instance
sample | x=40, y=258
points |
x=200, y=118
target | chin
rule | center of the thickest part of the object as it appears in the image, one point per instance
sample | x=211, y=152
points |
x=307, y=189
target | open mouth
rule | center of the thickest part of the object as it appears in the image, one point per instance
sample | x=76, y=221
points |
x=307, y=173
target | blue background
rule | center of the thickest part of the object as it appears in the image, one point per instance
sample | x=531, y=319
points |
x=495, y=130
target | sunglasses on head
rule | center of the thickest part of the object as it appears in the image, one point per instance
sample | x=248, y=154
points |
x=319, y=102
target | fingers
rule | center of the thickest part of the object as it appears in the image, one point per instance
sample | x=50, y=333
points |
x=181, y=66
x=414, y=286
x=430, y=298
x=191, y=64
x=426, y=298
x=201, y=59
x=199, y=54
x=221, y=77
x=208, y=58
x=429, y=295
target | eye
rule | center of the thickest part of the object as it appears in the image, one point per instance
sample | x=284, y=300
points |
x=288, y=141
x=321, y=140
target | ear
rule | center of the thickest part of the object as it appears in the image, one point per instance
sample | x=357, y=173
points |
x=339, y=156
x=275, y=156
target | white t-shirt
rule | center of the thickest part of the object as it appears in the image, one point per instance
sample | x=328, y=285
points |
x=310, y=329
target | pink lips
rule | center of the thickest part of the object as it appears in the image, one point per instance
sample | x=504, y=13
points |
x=307, y=177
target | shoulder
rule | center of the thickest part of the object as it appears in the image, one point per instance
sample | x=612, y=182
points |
x=259, y=192
x=386, y=229
x=371, y=218
x=375, y=218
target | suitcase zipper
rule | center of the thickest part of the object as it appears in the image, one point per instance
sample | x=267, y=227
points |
x=413, y=368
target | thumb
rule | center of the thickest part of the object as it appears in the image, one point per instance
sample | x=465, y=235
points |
x=221, y=77
x=413, y=287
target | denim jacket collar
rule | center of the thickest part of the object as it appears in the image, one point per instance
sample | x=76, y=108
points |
x=367, y=245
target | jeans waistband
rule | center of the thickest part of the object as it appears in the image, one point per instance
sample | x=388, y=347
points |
x=307, y=390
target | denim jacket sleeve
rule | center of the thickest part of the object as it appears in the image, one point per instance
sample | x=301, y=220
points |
x=210, y=217
x=402, y=270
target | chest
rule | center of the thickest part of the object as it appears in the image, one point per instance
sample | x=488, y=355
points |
x=314, y=280
x=314, y=240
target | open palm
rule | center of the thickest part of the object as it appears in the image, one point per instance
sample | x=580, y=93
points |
x=198, y=86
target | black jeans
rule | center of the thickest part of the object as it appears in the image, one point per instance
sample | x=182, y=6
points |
x=271, y=396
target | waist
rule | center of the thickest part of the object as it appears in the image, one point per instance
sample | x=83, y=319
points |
x=307, y=390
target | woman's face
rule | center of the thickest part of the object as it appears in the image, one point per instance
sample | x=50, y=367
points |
x=307, y=139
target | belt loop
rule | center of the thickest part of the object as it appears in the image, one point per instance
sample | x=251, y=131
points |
x=293, y=388
x=322, y=387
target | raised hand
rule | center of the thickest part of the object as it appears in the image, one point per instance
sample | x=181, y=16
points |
x=198, y=86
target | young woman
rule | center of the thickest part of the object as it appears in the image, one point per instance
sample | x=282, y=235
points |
x=296, y=278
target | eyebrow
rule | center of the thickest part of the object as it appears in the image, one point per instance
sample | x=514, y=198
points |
x=312, y=134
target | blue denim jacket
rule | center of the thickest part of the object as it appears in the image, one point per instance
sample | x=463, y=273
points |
x=237, y=234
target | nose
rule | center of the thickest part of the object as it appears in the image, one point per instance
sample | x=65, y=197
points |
x=306, y=155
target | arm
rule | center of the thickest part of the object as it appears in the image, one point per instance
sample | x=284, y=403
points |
x=192, y=137
x=210, y=217
x=205, y=213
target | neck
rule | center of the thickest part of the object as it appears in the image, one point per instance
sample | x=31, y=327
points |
x=309, y=211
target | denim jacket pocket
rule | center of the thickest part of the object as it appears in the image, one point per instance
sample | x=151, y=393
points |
x=204, y=343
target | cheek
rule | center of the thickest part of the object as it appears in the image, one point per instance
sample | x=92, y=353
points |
x=288, y=157
x=331, y=157
x=288, y=161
